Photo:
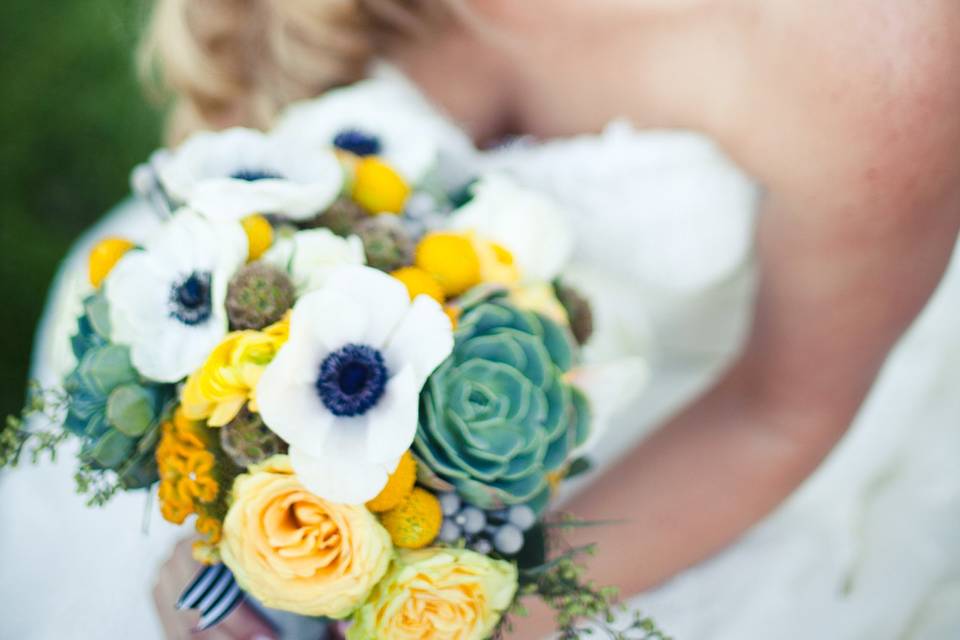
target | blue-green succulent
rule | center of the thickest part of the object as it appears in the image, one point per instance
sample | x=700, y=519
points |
x=110, y=407
x=497, y=417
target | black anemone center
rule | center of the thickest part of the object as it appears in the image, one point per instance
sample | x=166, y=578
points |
x=357, y=142
x=352, y=380
x=190, y=301
x=252, y=175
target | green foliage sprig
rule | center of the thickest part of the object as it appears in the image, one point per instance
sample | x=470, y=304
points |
x=98, y=485
x=581, y=607
x=19, y=437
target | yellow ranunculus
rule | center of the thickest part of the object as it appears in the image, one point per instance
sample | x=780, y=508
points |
x=297, y=552
x=437, y=594
x=218, y=390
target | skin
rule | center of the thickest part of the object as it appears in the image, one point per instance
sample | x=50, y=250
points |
x=848, y=115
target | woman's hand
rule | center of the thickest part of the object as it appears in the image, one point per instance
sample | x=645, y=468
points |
x=175, y=574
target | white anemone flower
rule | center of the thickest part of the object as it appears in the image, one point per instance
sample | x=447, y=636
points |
x=531, y=226
x=231, y=174
x=380, y=116
x=344, y=390
x=311, y=256
x=167, y=300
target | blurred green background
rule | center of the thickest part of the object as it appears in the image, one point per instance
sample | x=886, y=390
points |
x=73, y=122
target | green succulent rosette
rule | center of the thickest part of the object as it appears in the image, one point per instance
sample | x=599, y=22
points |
x=497, y=417
x=110, y=407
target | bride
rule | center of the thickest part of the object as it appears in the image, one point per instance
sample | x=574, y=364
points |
x=749, y=507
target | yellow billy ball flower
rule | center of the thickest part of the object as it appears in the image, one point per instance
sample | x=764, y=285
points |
x=259, y=236
x=399, y=486
x=416, y=522
x=450, y=258
x=105, y=256
x=378, y=188
x=419, y=282
x=227, y=380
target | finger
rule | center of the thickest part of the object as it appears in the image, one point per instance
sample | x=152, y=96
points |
x=244, y=623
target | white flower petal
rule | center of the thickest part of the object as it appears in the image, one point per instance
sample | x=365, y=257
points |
x=139, y=288
x=174, y=351
x=137, y=292
x=318, y=253
x=210, y=155
x=201, y=174
x=290, y=405
x=232, y=200
x=533, y=228
x=393, y=421
x=330, y=318
x=423, y=339
x=384, y=298
x=411, y=133
x=344, y=479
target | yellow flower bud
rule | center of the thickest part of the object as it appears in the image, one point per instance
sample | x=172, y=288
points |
x=399, y=486
x=416, y=522
x=378, y=188
x=419, y=282
x=451, y=259
x=259, y=236
x=105, y=256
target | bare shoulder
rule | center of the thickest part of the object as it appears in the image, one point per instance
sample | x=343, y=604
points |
x=866, y=95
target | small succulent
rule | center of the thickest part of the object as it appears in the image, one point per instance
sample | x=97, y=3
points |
x=258, y=295
x=114, y=411
x=342, y=217
x=578, y=309
x=386, y=242
x=501, y=530
x=497, y=417
x=248, y=441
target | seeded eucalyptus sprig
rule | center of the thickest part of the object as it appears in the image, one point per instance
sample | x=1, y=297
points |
x=17, y=438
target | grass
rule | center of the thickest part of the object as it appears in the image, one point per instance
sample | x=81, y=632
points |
x=72, y=124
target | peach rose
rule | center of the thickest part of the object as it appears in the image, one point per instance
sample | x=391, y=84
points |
x=297, y=552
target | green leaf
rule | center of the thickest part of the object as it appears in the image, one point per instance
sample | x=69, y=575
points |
x=534, y=551
x=112, y=449
x=579, y=467
x=106, y=368
x=130, y=409
x=98, y=314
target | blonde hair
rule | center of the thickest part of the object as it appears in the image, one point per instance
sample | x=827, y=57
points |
x=239, y=62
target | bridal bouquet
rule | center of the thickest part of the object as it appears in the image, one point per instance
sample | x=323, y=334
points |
x=360, y=379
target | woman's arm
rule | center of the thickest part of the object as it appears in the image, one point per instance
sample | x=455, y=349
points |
x=849, y=113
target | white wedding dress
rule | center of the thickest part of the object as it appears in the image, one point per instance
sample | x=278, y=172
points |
x=868, y=547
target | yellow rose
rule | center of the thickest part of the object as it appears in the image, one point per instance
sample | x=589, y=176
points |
x=218, y=390
x=437, y=594
x=296, y=552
